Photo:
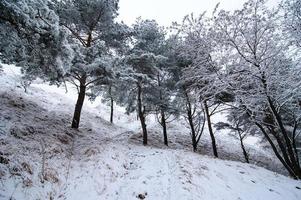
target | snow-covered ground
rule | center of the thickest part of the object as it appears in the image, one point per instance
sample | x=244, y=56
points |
x=43, y=158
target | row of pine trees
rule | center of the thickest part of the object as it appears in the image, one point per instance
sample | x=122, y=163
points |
x=245, y=63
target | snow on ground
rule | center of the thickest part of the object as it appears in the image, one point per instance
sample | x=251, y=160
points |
x=43, y=158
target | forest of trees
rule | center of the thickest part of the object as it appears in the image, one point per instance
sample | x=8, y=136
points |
x=245, y=62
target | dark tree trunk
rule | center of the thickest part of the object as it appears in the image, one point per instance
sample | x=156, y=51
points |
x=79, y=102
x=281, y=145
x=163, y=118
x=291, y=164
x=190, y=121
x=141, y=114
x=193, y=133
x=163, y=124
x=294, y=142
x=112, y=110
x=144, y=130
x=243, y=147
x=210, y=129
x=289, y=169
x=111, y=104
x=194, y=143
x=81, y=93
x=294, y=160
x=244, y=151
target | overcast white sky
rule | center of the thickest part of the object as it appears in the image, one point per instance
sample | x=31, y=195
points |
x=167, y=11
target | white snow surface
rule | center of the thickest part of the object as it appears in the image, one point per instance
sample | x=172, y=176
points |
x=107, y=161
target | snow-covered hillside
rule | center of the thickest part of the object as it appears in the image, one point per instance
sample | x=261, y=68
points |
x=43, y=158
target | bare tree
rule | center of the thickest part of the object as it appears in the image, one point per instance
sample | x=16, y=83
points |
x=264, y=79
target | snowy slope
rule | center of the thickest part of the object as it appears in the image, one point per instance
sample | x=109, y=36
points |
x=42, y=158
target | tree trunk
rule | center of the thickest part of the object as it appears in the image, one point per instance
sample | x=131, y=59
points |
x=210, y=129
x=81, y=93
x=244, y=151
x=243, y=147
x=141, y=114
x=289, y=169
x=294, y=142
x=112, y=105
x=289, y=146
x=144, y=130
x=163, y=118
x=112, y=110
x=190, y=121
x=79, y=102
x=193, y=134
x=163, y=123
x=292, y=164
x=281, y=145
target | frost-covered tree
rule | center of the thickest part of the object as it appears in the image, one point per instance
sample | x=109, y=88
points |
x=162, y=98
x=163, y=87
x=93, y=34
x=111, y=90
x=109, y=94
x=62, y=39
x=185, y=102
x=263, y=77
x=200, y=75
x=240, y=127
x=31, y=38
x=141, y=69
x=292, y=22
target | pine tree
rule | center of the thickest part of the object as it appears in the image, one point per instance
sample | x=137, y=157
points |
x=31, y=38
x=93, y=33
x=141, y=70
